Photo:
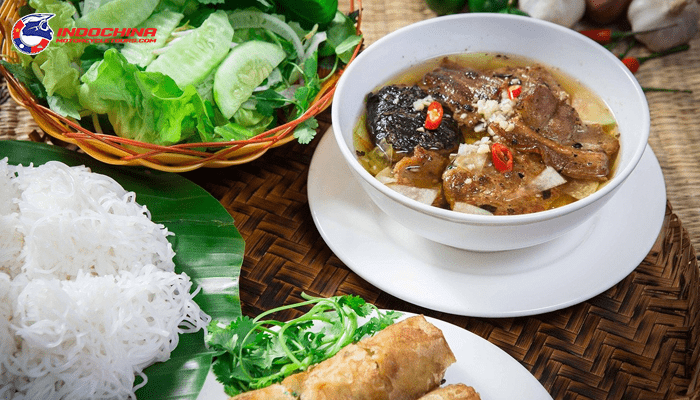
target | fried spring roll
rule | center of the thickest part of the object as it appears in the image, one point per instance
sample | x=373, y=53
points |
x=272, y=392
x=458, y=391
x=404, y=361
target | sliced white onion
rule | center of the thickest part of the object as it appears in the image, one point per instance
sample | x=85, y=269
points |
x=386, y=176
x=257, y=19
x=423, y=195
x=547, y=179
x=467, y=208
x=581, y=189
x=312, y=45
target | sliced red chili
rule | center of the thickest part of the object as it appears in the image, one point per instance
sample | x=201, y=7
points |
x=434, y=117
x=502, y=157
x=514, y=91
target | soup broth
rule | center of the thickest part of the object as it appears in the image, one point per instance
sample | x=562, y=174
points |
x=513, y=136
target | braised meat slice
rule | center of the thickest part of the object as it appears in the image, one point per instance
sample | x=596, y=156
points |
x=541, y=109
x=496, y=192
x=392, y=117
x=529, y=77
x=567, y=160
x=460, y=88
x=594, y=138
x=423, y=169
x=537, y=106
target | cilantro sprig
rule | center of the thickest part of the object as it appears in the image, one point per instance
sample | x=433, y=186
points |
x=255, y=353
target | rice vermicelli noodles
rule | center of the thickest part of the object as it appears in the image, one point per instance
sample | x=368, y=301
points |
x=88, y=292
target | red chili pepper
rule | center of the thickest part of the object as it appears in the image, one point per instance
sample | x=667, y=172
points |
x=434, y=117
x=631, y=63
x=514, y=91
x=599, y=35
x=604, y=36
x=502, y=157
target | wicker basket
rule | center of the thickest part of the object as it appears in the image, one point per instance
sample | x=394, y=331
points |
x=116, y=150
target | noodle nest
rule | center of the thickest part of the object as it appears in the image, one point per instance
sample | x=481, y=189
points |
x=88, y=292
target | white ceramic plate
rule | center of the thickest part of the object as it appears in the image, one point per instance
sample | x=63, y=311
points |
x=480, y=363
x=573, y=268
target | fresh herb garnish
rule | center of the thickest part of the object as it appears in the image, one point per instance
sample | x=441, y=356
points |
x=254, y=353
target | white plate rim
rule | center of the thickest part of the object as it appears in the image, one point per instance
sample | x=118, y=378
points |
x=632, y=226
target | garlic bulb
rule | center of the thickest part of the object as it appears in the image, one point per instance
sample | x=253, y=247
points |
x=679, y=16
x=562, y=12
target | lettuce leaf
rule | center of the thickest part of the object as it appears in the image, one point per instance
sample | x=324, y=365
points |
x=118, y=14
x=56, y=66
x=145, y=106
x=67, y=107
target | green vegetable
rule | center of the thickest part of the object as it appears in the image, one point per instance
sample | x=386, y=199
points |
x=193, y=38
x=256, y=19
x=189, y=60
x=443, y=7
x=26, y=77
x=68, y=107
x=491, y=6
x=244, y=69
x=311, y=12
x=305, y=131
x=118, y=14
x=341, y=38
x=165, y=23
x=514, y=11
x=55, y=67
x=145, y=106
x=254, y=353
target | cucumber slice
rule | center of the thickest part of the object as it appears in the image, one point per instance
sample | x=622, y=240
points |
x=244, y=69
x=189, y=60
x=141, y=54
x=119, y=14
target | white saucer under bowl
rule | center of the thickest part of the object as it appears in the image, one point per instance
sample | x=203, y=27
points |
x=568, y=270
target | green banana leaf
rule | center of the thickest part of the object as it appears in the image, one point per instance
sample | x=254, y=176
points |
x=208, y=248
